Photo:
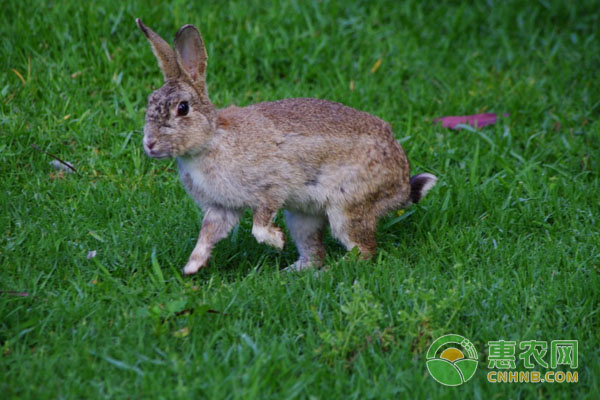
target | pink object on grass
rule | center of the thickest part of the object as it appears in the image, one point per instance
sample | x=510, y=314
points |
x=476, y=120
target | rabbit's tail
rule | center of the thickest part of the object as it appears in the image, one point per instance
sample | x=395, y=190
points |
x=419, y=186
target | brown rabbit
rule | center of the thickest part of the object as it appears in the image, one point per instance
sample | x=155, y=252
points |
x=319, y=160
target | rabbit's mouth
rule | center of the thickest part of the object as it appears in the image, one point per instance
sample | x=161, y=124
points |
x=153, y=150
x=156, y=154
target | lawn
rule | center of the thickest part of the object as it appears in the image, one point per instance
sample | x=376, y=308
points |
x=506, y=246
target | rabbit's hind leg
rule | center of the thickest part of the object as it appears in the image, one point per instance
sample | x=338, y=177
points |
x=263, y=229
x=216, y=225
x=354, y=228
x=307, y=232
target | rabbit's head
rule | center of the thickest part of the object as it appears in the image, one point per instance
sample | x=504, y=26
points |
x=180, y=119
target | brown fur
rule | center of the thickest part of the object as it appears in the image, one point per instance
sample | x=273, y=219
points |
x=320, y=160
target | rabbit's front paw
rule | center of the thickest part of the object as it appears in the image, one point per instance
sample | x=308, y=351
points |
x=270, y=235
x=192, y=267
x=198, y=259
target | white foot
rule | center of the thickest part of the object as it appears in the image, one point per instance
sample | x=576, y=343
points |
x=198, y=259
x=272, y=237
x=192, y=267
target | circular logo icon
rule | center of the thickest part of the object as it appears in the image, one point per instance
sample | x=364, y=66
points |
x=452, y=360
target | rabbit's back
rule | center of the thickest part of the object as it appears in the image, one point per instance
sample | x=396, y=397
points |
x=304, y=153
x=320, y=117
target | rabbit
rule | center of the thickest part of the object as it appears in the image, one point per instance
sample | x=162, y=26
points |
x=320, y=161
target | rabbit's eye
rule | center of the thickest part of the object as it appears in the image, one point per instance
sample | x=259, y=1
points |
x=183, y=108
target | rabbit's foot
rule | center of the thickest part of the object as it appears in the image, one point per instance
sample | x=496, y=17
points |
x=198, y=259
x=194, y=264
x=302, y=264
x=270, y=235
x=353, y=229
x=216, y=225
x=307, y=232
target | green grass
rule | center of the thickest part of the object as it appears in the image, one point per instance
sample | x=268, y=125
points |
x=505, y=247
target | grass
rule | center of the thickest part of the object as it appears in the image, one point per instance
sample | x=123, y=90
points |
x=505, y=247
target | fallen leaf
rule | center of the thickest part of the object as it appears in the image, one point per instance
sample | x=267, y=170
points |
x=183, y=332
x=476, y=120
x=14, y=293
x=376, y=66
x=19, y=76
x=91, y=254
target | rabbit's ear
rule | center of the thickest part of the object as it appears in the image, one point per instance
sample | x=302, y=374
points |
x=191, y=56
x=163, y=52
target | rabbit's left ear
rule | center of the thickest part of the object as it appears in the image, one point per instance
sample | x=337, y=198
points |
x=191, y=56
x=163, y=52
